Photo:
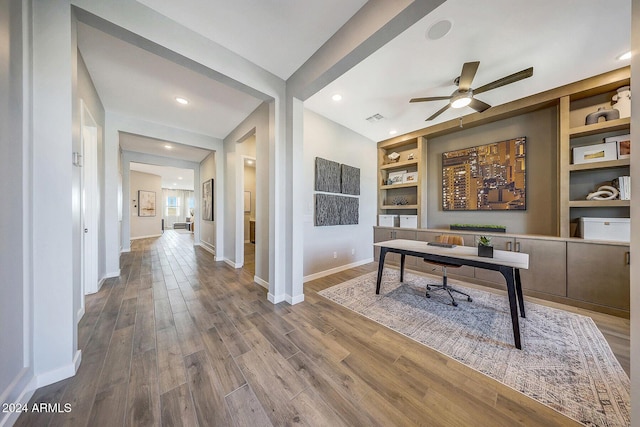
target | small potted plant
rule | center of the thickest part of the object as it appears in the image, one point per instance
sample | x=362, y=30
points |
x=484, y=247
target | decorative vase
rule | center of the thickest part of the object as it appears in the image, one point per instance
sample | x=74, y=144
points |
x=485, y=251
x=602, y=112
x=622, y=101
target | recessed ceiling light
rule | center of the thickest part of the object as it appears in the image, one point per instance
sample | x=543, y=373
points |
x=168, y=147
x=393, y=132
x=179, y=177
x=439, y=30
x=175, y=183
x=337, y=97
x=182, y=101
x=626, y=55
x=249, y=162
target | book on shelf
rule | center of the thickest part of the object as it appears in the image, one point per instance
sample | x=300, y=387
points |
x=623, y=183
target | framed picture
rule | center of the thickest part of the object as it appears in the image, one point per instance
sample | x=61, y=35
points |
x=207, y=200
x=623, y=145
x=490, y=177
x=395, y=177
x=146, y=203
x=410, y=178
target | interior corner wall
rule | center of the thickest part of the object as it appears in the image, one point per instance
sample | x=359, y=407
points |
x=540, y=217
x=87, y=93
x=258, y=120
x=15, y=310
x=208, y=228
x=329, y=140
x=145, y=226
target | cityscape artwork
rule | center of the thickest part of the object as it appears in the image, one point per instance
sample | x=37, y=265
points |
x=489, y=177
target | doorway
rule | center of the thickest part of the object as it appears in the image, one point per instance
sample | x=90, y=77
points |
x=89, y=203
x=249, y=202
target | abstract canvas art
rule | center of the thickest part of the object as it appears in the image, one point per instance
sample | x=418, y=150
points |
x=146, y=203
x=327, y=176
x=336, y=210
x=487, y=177
x=350, y=180
x=207, y=200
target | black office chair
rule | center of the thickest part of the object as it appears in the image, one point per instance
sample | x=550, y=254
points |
x=454, y=240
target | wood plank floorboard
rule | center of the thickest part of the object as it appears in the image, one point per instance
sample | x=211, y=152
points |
x=180, y=339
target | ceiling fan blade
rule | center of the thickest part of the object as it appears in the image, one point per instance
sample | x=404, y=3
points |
x=469, y=70
x=440, y=111
x=432, y=98
x=478, y=105
x=505, y=80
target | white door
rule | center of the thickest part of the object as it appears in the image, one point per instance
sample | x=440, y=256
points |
x=90, y=204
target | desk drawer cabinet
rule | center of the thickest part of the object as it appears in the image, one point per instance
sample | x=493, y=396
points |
x=598, y=274
x=547, y=262
x=384, y=234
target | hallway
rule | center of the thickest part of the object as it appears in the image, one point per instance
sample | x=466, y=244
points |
x=179, y=339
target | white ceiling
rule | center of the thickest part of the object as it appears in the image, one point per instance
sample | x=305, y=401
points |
x=174, y=178
x=145, y=145
x=277, y=35
x=563, y=40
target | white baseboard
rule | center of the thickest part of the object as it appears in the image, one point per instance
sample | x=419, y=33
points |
x=232, y=264
x=275, y=299
x=261, y=282
x=61, y=373
x=324, y=273
x=108, y=276
x=79, y=314
x=125, y=250
x=219, y=258
x=145, y=237
x=207, y=247
x=19, y=391
x=294, y=300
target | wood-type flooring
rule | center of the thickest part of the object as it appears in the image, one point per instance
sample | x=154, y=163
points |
x=179, y=339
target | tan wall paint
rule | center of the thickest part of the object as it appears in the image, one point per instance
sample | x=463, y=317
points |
x=151, y=225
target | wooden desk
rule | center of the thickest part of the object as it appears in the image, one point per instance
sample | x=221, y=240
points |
x=507, y=263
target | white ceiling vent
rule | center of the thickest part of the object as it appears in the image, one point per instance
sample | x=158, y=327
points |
x=375, y=118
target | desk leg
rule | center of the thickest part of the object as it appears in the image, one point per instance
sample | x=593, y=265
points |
x=383, y=252
x=519, y=292
x=402, y=256
x=507, y=272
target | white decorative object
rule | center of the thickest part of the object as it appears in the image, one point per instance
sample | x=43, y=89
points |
x=410, y=156
x=395, y=177
x=595, y=153
x=623, y=144
x=387, y=220
x=611, y=229
x=408, y=221
x=622, y=101
x=605, y=192
x=394, y=156
x=410, y=178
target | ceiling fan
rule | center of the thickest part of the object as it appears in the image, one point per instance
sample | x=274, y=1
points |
x=464, y=95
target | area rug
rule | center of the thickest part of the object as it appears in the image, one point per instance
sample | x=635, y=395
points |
x=565, y=362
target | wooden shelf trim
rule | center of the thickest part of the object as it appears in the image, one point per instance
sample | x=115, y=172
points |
x=610, y=164
x=399, y=165
x=601, y=127
x=392, y=207
x=599, y=203
x=391, y=187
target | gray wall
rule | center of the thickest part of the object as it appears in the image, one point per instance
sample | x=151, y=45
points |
x=14, y=220
x=541, y=216
x=351, y=243
x=145, y=226
x=208, y=228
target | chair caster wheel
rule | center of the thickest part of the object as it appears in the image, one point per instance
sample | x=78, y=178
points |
x=455, y=304
x=428, y=287
x=427, y=295
x=469, y=299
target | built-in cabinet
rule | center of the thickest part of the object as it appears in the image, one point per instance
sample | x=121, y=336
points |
x=589, y=274
x=401, y=198
x=578, y=180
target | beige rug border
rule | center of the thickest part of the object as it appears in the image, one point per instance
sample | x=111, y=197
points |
x=461, y=283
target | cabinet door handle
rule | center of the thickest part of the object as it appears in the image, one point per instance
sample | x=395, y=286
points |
x=509, y=246
x=517, y=246
x=627, y=258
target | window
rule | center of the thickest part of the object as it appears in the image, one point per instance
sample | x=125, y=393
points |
x=173, y=206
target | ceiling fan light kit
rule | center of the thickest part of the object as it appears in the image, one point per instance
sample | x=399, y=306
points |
x=463, y=96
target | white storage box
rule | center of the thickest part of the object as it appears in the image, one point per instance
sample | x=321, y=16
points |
x=387, y=220
x=595, y=153
x=613, y=229
x=408, y=221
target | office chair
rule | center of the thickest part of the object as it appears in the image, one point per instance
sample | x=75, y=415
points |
x=454, y=240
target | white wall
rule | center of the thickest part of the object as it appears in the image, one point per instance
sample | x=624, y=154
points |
x=257, y=122
x=142, y=226
x=331, y=141
x=15, y=297
x=250, y=186
x=208, y=228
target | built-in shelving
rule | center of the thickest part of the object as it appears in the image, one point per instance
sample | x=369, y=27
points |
x=390, y=187
x=399, y=165
x=601, y=127
x=394, y=207
x=599, y=203
x=610, y=164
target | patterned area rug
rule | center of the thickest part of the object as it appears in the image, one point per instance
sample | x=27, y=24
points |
x=565, y=362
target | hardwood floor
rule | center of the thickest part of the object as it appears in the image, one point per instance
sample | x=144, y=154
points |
x=179, y=339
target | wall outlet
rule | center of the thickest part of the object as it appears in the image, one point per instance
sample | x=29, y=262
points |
x=335, y=255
